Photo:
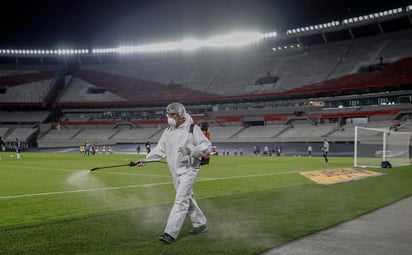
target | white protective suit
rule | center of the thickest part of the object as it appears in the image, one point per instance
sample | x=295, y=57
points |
x=184, y=165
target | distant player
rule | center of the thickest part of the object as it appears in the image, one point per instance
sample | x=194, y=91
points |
x=325, y=150
x=87, y=148
x=147, y=146
x=310, y=150
x=17, y=147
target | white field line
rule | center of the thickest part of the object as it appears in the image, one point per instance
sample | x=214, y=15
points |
x=146, y=185
x=86, y=190
x=41, y=168
x=71, y=170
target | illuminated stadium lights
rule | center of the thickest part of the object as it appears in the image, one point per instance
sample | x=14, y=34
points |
x=156, y=47
x=362, y=18
x=313, y=27
x=373, y=16
x=269, y=35
x=287, y=47
x=38, y=52
x=191, y=44
x=106, y=50
x=236, y=39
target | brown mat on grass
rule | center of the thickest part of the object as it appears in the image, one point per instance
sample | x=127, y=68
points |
x=332, y=176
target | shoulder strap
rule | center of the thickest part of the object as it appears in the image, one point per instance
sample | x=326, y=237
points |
x=191, y=128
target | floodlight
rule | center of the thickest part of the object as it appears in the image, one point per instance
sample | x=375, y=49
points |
x=271, y=34
x=190, y=44
x=233, y=40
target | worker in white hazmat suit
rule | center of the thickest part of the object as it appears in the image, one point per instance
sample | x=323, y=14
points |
x=183, y=144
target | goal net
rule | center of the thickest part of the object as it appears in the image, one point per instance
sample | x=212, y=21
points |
x=374, y=145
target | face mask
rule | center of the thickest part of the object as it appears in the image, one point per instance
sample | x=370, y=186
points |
x=171, y=121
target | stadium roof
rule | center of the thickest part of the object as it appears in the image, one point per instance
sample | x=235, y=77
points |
x=92, y=23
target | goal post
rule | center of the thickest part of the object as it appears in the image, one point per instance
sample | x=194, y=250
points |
x=374, y=145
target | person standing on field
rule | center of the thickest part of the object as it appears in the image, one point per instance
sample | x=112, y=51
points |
x=183, y=144
x=17, y=147
x=310, y=150
x=147, y=145
x=87, y=148
x=325, y=150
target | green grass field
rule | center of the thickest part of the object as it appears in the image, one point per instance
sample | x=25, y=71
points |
x=50, y=203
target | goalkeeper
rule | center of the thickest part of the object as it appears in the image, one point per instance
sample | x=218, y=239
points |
x=183, y=144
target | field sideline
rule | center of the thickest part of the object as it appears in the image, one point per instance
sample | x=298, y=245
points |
x=52, y=204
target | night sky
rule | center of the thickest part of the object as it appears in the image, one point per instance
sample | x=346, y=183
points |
x=109, y=23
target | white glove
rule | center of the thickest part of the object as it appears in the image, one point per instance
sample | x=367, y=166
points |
x=196, y=154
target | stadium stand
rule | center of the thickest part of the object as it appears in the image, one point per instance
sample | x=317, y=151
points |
x=135, y=134
x=23, y=117
x=260, y=133
x=24, y=134
x=79, y=90
x=95, y=134
x=60, y=138
x=3, y=131
x=234, y=73
x=224, y=133
x=137, y=89
x=306, y=131
x=248, y=95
